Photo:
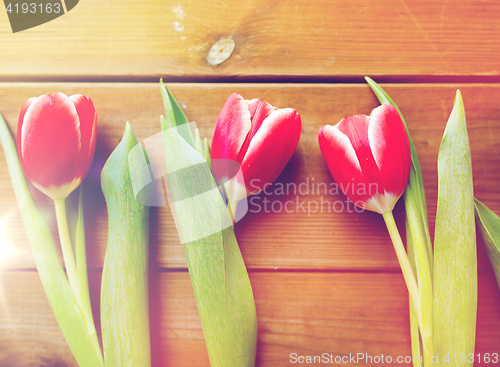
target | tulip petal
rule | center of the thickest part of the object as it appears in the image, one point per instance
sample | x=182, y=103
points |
x=50, y=141
x=19, y=139
x=271, y=148
x=390, y=148
x=259, y=111
x=343, y=163
x=23, y=111
x=87, y=116
x=356, y=129
x=231, y=129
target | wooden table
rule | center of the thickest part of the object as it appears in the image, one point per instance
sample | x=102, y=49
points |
x=324, y=281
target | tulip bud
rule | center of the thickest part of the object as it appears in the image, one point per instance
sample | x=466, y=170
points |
x=258, y=137
x=369, y=157
x=56, y=138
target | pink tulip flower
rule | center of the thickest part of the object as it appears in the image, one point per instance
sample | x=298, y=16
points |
x=56, y=138
x=260, y=138
x=369, y=157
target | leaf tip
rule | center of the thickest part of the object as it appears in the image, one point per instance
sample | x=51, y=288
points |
x=129, y=135
x=458, y=99
x=166, y=123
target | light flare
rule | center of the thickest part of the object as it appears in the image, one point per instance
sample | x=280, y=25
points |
x=7, y=249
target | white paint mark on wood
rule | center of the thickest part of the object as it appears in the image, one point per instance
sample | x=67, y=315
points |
x=221, y=51
x=179, y=12
x=178, y=27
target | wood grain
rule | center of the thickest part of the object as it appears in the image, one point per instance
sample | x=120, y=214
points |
x=131, y=39
x=275, y=240
x=303, y=313
x=326, y=281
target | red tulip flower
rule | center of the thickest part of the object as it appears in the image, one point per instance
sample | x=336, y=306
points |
x=369, y=157
x=56, y=138
x=260, y=138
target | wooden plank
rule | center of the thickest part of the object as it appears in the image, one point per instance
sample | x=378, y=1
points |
x=321, y=240
x=303, y=313
x=323, y=38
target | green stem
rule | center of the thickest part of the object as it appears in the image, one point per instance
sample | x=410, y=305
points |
x=67, y=249
x=231, y=208
x=404, y=263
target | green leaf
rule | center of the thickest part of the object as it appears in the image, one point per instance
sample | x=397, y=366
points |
x=416, y=344
x=218, y=274
x=54, y=280
x=418, y=239
x=124, y=292
x=199, y=144
x=455, y=264
x=416, y=180
x=489, y=224
x=175, y=115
